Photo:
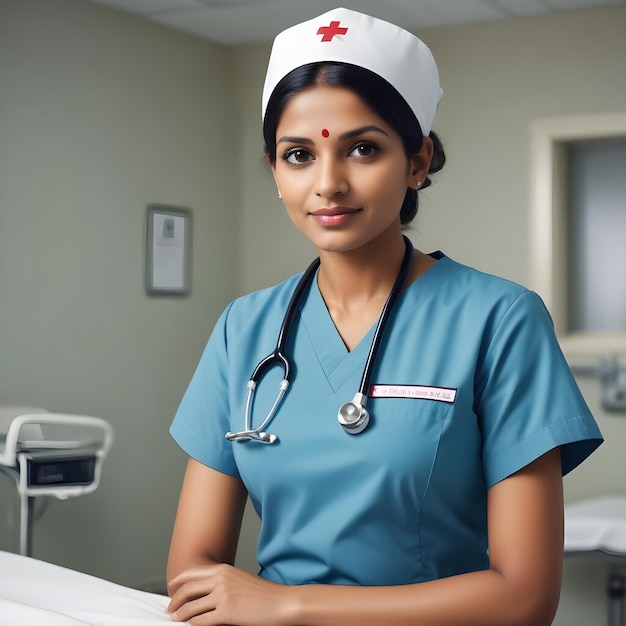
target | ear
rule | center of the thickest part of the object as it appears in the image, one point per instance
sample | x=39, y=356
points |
x=420, y=162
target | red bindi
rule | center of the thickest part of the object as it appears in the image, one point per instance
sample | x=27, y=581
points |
x=325, y=133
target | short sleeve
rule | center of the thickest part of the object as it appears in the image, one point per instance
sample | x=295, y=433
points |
x=202, y=419
x=527, y=399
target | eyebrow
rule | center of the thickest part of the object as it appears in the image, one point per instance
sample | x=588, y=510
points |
x=347, y=135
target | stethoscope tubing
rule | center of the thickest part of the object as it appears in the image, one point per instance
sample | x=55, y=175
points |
x=277, y=357
x=394, y=294
x=353, y=416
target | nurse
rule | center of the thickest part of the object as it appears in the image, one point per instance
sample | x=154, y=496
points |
x=446, y=508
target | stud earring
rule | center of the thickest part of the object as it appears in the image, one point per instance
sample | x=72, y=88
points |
x=418, y=184
x=280, y=196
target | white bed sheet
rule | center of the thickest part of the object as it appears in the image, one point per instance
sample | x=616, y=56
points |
x=35, y=593
x=596, y=524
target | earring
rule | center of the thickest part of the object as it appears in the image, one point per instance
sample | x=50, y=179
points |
x=418, y=184
x=280, y=196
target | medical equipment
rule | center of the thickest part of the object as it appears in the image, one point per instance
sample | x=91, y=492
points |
x=611, y=372
x=51, y=454
x=353, y=416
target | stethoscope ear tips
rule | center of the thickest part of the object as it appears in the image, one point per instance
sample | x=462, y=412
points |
x=267, y=438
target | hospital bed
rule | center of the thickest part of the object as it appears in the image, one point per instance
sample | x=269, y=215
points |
x=35, y=593
x=597, y=527
x=60, y=455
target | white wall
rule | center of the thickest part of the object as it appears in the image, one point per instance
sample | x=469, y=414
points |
x=101, y=114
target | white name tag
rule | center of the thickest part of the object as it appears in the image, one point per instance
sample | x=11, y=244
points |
x=416, y=392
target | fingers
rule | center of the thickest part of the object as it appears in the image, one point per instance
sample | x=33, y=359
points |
x=221, y=594
x=192, y=611
x=189, y=592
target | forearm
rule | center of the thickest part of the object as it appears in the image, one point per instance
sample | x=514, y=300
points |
x=476, y=599
x=204, y=534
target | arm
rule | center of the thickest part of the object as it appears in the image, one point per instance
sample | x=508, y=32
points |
x=208, y=520
x=525, y=514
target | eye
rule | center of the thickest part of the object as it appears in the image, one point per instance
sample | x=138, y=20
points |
x=297, y=156
x=363, y=150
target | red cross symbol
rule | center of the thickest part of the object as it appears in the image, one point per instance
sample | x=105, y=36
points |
x=329, y=32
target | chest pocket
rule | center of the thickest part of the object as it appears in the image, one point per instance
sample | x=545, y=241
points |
x=402, y=441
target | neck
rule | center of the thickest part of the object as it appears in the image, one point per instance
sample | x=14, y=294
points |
x=351, y=280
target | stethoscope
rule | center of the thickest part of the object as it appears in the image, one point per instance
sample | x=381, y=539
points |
x=353, y=416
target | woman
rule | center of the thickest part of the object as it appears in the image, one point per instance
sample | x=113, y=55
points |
x=434, y=495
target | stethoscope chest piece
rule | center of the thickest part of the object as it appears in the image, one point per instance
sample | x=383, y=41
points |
x=353, y=416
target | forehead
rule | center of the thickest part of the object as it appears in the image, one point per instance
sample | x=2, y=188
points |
x=323, y=106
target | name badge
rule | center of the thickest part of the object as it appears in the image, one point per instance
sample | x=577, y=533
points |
x=416, y=392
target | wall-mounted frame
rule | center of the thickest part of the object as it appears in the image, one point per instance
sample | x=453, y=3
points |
x=168, y=250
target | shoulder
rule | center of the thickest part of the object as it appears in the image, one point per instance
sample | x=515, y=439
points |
x=471, y=279
x=472, y=303
x=481, y=291
x=247, y=321
x=261, y=304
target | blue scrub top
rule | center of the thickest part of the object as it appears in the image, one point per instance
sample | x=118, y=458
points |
x=469, y=386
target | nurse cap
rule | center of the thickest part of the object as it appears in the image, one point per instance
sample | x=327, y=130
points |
x=347, y=36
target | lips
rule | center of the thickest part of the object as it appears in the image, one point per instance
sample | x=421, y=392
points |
x=334, y=216
x=339, y=210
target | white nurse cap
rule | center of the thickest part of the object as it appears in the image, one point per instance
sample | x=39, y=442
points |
x=347, y=36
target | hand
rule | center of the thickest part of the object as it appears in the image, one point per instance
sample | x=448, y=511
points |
x=220, y=594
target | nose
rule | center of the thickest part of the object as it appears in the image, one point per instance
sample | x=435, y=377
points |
x=332, y=179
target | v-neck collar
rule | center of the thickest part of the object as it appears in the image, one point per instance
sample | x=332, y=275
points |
x=337, y=362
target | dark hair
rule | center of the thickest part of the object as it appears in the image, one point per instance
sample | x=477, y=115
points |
x=376, y=92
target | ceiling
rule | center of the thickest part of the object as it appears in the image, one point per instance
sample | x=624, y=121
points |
x=232, y=22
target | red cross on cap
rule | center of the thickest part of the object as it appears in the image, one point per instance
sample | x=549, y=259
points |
x=329, y=32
